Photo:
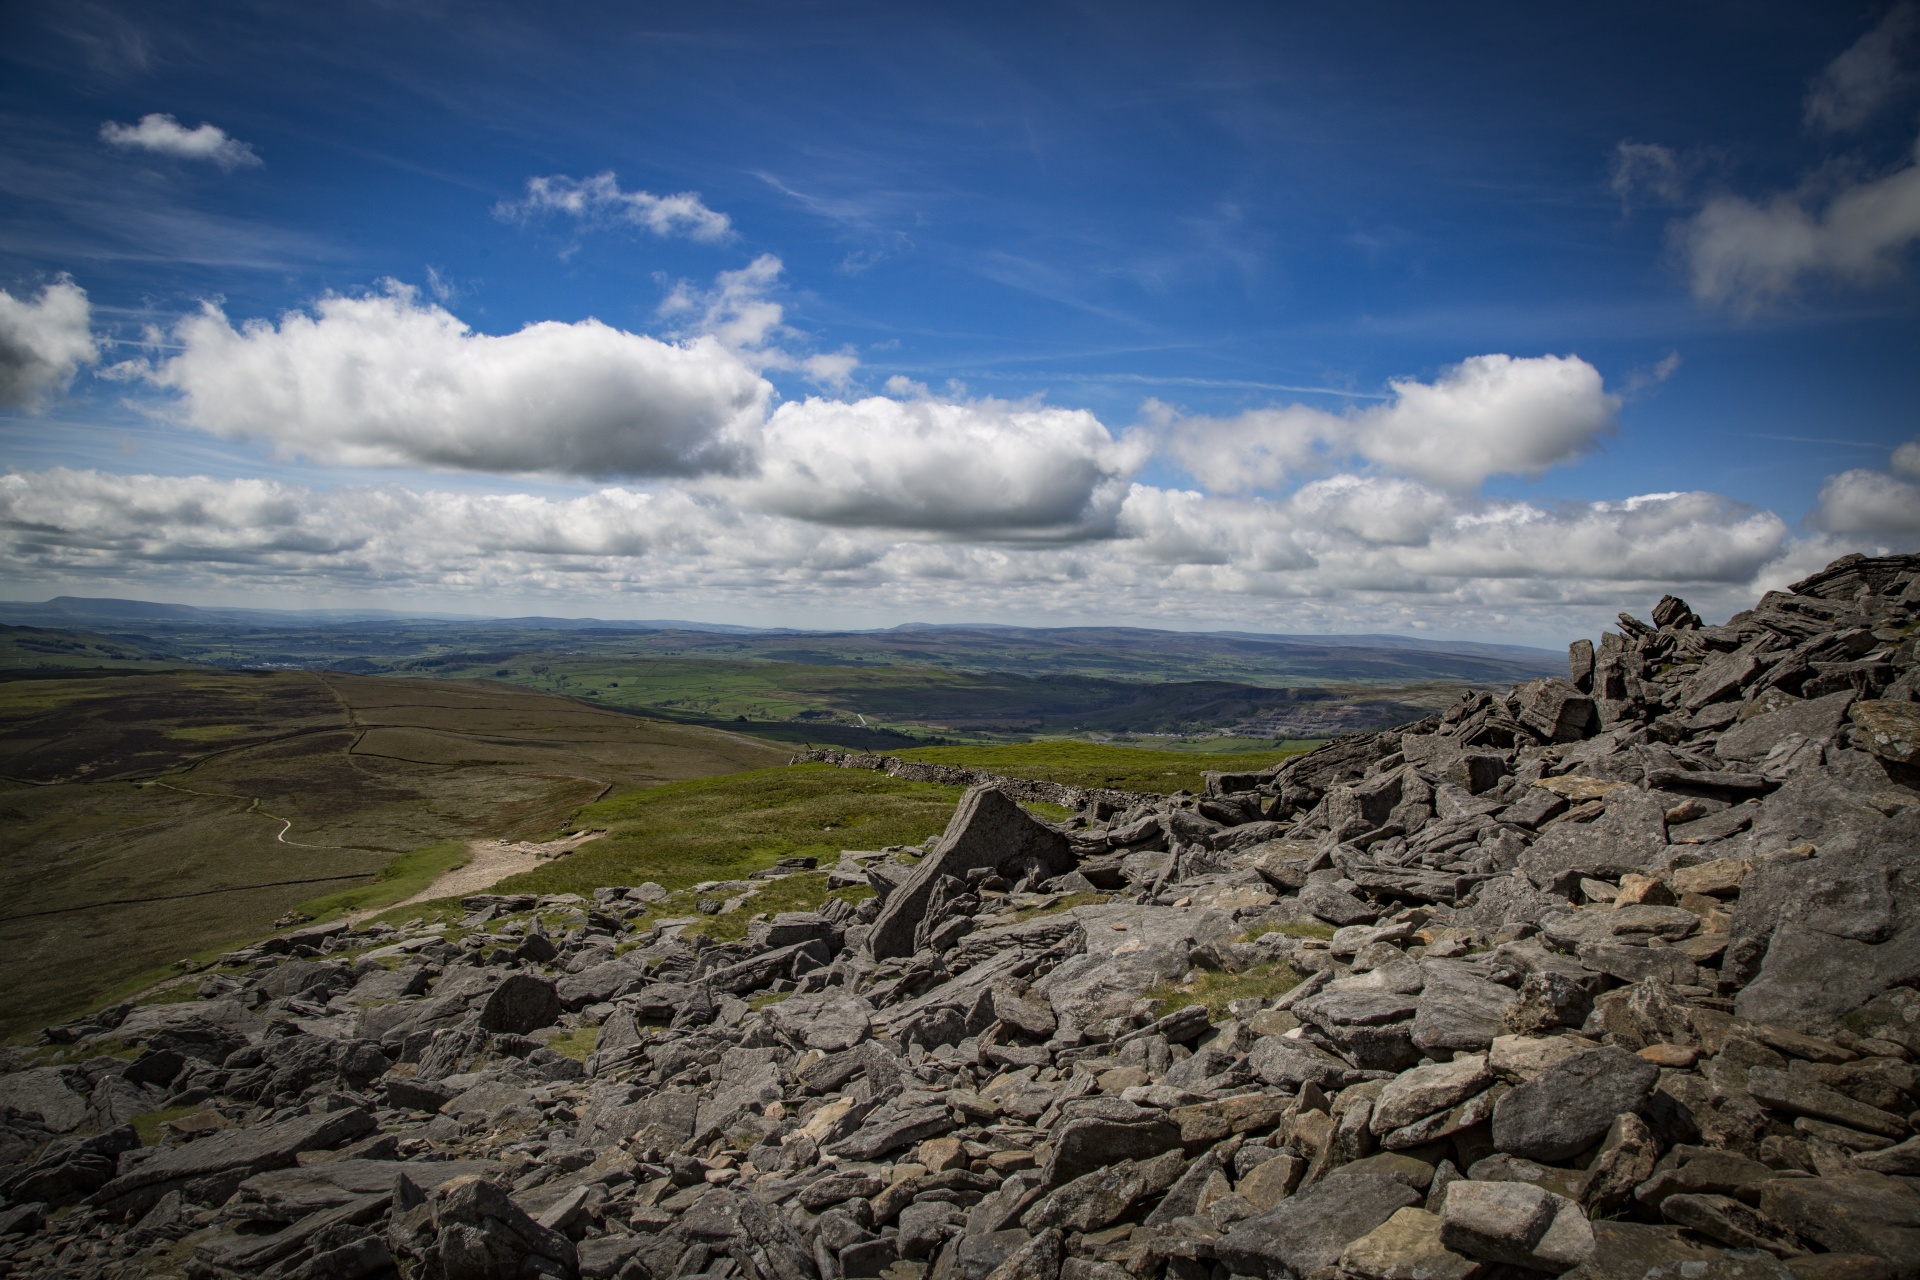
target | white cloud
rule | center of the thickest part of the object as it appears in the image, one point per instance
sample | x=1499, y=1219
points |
x=1874, y=502
x=988, y=467
x=600, y=201
x=1376, y=532
x=385, y=380
x=1488, y=415
x=1750, y=254
x=162, y=134
x=1318, y=561
x=43, y=343
x=1868, y=76
x=739, y=312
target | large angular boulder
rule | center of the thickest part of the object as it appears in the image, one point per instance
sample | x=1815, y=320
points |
x=987, y=830
x=1571, y=1105
x=521, y=1004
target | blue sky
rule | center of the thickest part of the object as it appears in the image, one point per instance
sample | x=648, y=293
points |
x=1474, y=320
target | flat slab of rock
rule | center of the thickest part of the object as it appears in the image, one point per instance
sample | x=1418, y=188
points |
x=1312, y=1229
x=240, y=1152
x=987, y=830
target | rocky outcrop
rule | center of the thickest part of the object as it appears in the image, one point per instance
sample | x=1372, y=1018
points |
x=1606, y=975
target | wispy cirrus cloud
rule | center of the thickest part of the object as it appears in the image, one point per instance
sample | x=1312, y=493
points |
x=598, y=201
x=1868, y=77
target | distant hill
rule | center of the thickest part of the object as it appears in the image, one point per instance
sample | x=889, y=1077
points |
x=375, y=640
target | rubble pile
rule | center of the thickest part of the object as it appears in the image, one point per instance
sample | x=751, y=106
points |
x=1607, y=976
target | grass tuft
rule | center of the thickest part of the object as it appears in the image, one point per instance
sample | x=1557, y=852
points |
x=1217, y=990
x=147, y=1124
x=577, y=1044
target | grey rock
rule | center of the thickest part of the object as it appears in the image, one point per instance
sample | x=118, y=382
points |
x=520, y=1004
x=1631, y=835
x=1422, y=1091
x=1817, y=719
x=923, y=1226
x=1289, y=1063
x=884, y=1133
x=1310, y=1230
x=1569, y=1106
x=606, y=981
x=1802, y=1097
x=1094, y=1142
x=1856, y=1213
x=1459, y=1009
x=1729, y=1222
x=234, y=1154
x=831, y=1021
x=480, y=1232
x=1106, y=1195
x=1335, y=905
x=50, y=1093
x=1037, y=1259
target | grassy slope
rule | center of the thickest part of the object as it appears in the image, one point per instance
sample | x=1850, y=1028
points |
x=722, y=828
x=1090, y=764
x=152, y=786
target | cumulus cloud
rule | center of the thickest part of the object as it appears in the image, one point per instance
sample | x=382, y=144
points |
x=600, y=201
x=43, y=343
x=384, y=379
x=1868, y=76
x=1321, y=558
x=984, y=467
x=1874, y=502
x=1488, y=415
x=1349, y=533
x=1750, y=253
x=163, y=135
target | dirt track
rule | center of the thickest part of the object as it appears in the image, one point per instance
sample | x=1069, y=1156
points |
x=492, y=862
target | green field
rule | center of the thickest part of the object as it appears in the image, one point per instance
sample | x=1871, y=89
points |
x=1091, y=764
x=722, y=828
x=145, y=817
x=151, y=816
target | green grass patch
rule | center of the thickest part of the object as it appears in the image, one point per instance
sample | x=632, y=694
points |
x=1217, y=990
x=766, y=998
x=179, y=993
x=722, y=828
x=405, y=876
x=577, y=1044
x=806, y=891
x=1068, y=903
x=147, y=1124
x=1095, y=764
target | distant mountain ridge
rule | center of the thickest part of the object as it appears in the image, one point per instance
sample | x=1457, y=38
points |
x=71, y=609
